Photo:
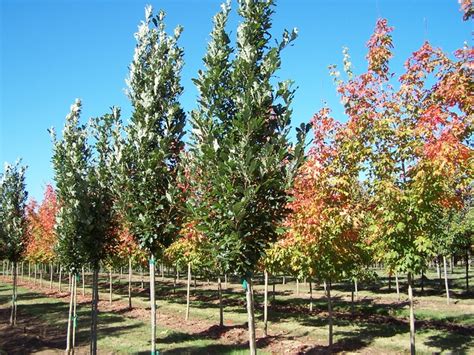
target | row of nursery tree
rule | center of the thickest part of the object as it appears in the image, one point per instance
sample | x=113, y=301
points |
x=390, y=183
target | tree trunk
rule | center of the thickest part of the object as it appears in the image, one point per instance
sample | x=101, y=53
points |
x=446, y=285
x=397, y=286
x=41, y=275
x=328, y=293
x=74, y=317
x=467, y=270
x=297, y=287
x=225, y=281
x=273, y=289
x=422, y=280
x=188, y=291
x=141, y=273
x=51, y=276
x=162, y=272
x=129, y=283
x=221, y=305
x=110, y=285
x=251, y=317
x=438, y=270
x=29, y=270
x=83, y=282
x=356, y=289
x=60, y=278
x=283, y=280
x=14, y=295
x=352, y=303
x=412, y=314
x=69, y=325
x=36, y=271
x=152, y=304
x=94, y=303
x=265, y=306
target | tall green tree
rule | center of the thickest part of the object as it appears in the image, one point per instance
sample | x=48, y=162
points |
x=71, y=162
x=240, y=154
x=149, y=153
x=13, y=224
x=105, y=227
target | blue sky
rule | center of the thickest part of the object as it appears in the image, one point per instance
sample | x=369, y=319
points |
x=55, y=51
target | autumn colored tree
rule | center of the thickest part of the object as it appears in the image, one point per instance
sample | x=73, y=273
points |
x=412, y=147
x=13, y=222
x=327, y=211
x=41, y=232
x=239, y=144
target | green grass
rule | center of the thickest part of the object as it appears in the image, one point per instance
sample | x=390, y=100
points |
x=379, y=325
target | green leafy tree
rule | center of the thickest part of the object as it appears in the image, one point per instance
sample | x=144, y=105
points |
x=71, y=162
x=239, y=151
x=13, y=224
x=148, y=155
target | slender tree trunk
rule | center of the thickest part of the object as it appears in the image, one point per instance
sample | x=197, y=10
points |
x=310, y=295
x=221, y=305
x=265, y=306
x=283, y=280
x=162, y=272
x=110, y=285
x=22, y=270
x=352, y=303
x=60, y=277
x=397, y=286
x=251, y=317
x=36, y=271
x=356, y=289
x=83, y=282
x=141, y=274
x=225, y=281
x=70, y=283
x=412, y=314
x=467, y=270
x=41, y=275
x=129, y=283
x=74, y=317
x=328, y=293
x=51, y=269
x=422, y=280
x=273, y=289
x=14, y=296
x=188, y=291
x=446, y=285
x=153, y=304
x=94, y=303
x=69, y=323
x=29, y=270
x=438, y=270
x=297, y=287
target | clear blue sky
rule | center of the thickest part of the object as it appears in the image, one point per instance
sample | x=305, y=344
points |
x=54, y=51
